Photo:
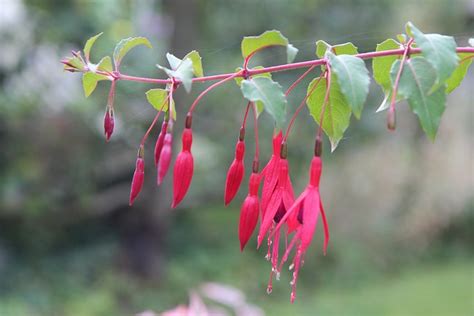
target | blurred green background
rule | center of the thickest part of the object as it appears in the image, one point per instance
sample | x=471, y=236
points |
x=400, y=208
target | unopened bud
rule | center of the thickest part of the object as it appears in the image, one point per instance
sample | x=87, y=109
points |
x=391, y=120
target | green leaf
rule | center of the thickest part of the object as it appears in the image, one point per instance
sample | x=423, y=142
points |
x=173, y=61
x=402, y=38
x=418, y=76
x=251, y=44
x=125, y=45
x=471, y=42
x=75, y=62
x=460, y=72
x=439, y=51
x=381, y=70
x=269, y=93
x=239, y=80
x=89, y=82
x=197, y=64
x=105, y=64
x=353, y=78
x=340, y=49
x=184, y=72
x=337, y=114
x=90, y=42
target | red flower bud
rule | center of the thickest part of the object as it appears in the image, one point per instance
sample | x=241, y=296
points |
x=138, y=176
x=235, y=173
x=249, y=211
x=108, y=123
x=160, y=141
x=183, y=169
x=391, y=120
x=165, y=157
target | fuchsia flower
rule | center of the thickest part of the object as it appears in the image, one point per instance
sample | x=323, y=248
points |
x=249, y=211
x=160, y=141
x=138, y=176
x=305, y=210
x=108, y=122
x=184, y=165
x=270, y=172
x=236, y=170
x=165, y=157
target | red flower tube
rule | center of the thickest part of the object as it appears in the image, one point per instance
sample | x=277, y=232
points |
x=249, y=211
x=184, y=166
x=165, y=157
x=159, y=142
x=270, y=172
x=108, y=122
x=138, y=176
x=236, y=171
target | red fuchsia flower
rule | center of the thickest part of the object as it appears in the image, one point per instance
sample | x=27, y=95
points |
x=159, y=142
x=249, y=211
x=184, y=165
x=138, y=176
x=306, y=209
x=236, y=170
x=270, y=172
x=108, y=122
x=165, y=157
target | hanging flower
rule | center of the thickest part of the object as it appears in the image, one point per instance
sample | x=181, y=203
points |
x=160, y=141
x=249, y=211
x=108, y=122
x=270, y=172
x=184, y=166
x=236, y=171
x=165, y=157
x=138, y=176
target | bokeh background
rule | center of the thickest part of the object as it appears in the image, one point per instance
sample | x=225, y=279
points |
x=400, y=207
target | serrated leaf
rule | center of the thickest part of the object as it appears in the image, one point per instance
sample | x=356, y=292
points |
x=337, y=114
x=125, y=45
x=340, y=49
x=105, y=64
x=353, y=79
x=269, y=93
x=239, y=80
x=89, y=82
x=90, y=42
x=418, y=76
x=197, y=63
x=460, y=72
x=381, y=70
x=251, y=44
x=439, y=51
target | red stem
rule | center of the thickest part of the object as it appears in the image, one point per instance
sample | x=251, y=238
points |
x=297, y=81
x=110, y=99
x=251, y=72
x=156, y=118
x=244, y=123
x=255, y=117
x=399, y=74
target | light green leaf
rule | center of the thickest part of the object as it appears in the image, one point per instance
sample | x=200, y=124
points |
x=418, y=76
x=251, y=44
x=184, y=73
x=125, y=45
x=158, y=99
x=439, y=51
x=269, y=93
x=89, y=82
x=291, y=52
x=340, y=49
x=460, y=72
x=402, y=38
x=197, y=64
x=471, y=42
x=353, y=78
x=105, y=64
x=75, y=62
x=173, y=61
x=337, y=114
x=90, y=42
x=381, y=70
x=239, y=80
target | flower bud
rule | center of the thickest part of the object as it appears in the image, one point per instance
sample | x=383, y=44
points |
x=391, y=119
x=108, y=122
x=160, y=141
x=235, y=173
x=165, y=157
x=249, y=211
x=183, y=169
x=138, y=176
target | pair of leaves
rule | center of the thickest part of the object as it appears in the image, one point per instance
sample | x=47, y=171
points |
x=251, y=44
x=184, y=69
x=158, y=98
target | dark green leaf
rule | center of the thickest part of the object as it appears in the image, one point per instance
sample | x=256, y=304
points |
x=125, y=45
x=269, y=93
x=337, y=114
x=417, y=78
x=251, y=44
x=353, y=78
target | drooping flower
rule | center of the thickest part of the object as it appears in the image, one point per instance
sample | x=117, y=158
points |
x=109, y=122
x=165, y=157
x=249, y=211
x=159, y=142
x=236, y=170
x=270, y=172
x=306, y=209
x=138, y=176
x=184, y=166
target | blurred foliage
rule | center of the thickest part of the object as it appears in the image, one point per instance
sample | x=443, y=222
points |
x=399, y=206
